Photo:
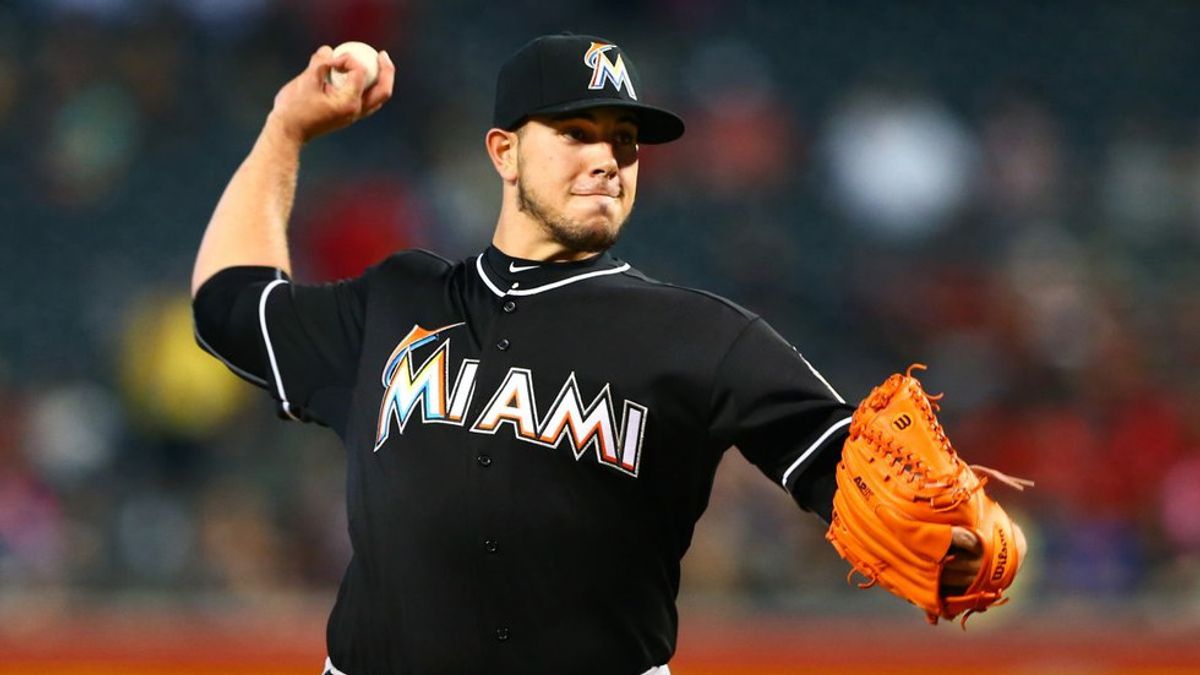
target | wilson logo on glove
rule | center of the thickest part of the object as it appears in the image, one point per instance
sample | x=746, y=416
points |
x=1001, y=557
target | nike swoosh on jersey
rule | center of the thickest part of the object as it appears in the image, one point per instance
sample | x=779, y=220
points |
x=512, y=267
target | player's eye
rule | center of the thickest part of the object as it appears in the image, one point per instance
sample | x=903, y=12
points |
x=575, y=133
x=625, y=138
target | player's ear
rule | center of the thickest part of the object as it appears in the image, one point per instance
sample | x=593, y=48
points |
x=502, y=148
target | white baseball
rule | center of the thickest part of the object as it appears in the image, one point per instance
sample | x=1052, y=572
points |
x=362, y=52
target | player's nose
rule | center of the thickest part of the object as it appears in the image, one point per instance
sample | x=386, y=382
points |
x=603, y=160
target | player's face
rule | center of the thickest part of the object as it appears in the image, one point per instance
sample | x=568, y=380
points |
x=577, y=175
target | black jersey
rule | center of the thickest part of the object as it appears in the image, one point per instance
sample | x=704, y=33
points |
x=529, y=446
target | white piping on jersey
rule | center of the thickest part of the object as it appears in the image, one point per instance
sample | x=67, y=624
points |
x=331, y=669
x=262, y=322
x=228, y=364
x=821, y=377
x=812, y=448
x=486, y=280
x=545, y=287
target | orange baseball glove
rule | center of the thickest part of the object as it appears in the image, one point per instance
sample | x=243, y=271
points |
x=902, y=490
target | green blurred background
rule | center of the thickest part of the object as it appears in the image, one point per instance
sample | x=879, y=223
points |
x=1009, y=192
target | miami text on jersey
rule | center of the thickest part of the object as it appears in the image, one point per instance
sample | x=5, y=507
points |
x=592, y=426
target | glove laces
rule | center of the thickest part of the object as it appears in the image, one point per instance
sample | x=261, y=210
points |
x=929, y=406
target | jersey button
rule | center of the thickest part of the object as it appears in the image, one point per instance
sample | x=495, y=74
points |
x=502, y=634
x=490, y=545
x=503, y=344
x=484, y=460
x=509, y=307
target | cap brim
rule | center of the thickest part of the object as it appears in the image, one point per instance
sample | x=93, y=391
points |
x=655, y=125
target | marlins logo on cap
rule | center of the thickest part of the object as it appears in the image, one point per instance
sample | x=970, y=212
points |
x=604, y=69
x=544, y=78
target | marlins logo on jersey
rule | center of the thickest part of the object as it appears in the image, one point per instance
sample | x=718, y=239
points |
x=593, y=426
x=605, y=70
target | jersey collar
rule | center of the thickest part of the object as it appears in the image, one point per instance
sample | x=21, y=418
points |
x=506, y=275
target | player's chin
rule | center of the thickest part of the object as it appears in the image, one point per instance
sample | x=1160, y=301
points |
x=606, y=213
x=589, y=234
x=602, y=229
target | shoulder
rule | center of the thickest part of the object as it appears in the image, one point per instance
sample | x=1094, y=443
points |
x=407, y=267
x=705, y=320
x=413, y=260
x=708, y=304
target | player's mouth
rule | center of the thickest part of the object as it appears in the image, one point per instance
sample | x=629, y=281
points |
x=613, y=190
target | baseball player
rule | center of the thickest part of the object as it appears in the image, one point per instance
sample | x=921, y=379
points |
x=531, y=432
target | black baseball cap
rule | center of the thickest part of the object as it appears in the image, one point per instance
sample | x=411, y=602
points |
x=562, y=73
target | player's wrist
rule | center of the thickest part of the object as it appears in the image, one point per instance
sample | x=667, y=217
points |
x=279, y=133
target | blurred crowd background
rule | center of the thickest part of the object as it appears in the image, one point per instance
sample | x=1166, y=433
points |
x=1009, y=192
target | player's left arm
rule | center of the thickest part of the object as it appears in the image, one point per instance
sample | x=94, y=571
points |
x=786, y=418
x=781, y=414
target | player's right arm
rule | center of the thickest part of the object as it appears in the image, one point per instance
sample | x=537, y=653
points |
x=299, y=342
x=249, y=224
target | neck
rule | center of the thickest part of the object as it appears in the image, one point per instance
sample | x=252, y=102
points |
x=520, y=236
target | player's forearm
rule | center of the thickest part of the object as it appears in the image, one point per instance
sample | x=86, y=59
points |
x=249, y=224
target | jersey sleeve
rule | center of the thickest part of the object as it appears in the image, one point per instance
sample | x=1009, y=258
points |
x=781, y=414
x=299, y=342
